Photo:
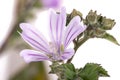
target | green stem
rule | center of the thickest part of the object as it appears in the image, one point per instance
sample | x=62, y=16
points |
x=78, y=44
x=57, y=69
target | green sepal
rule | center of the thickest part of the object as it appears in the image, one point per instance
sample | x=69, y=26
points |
x=63, y=71
x=111, y=38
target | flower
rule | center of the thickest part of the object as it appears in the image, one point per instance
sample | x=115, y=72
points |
x=60, y=35
x=51, y=3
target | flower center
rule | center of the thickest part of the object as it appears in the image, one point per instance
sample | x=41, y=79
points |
x=56, y=51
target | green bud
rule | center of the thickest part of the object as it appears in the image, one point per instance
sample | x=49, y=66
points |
x=107, y=24
x=76, y=13
x=73, y=14
x=92, y=18
x=99, y=33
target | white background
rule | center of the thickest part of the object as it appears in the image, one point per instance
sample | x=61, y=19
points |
x=94, y=50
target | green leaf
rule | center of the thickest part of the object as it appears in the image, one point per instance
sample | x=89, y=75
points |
x=110, y=38
x=92, y=71
x=69, y=71
x=69, y=66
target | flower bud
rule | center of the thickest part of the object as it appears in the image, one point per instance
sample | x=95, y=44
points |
x=107, y=24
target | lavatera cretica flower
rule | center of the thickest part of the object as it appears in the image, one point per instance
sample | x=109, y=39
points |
x=60, y=35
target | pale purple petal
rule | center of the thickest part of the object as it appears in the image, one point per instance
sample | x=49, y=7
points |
x=68, y=53
x=32, y=56
x=73, y=29
x=61, y=25
x=57, y=24
x=51, y=3
x=33, y=37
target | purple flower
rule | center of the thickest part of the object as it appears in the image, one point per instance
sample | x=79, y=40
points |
x=60, y=35
x=51, y=3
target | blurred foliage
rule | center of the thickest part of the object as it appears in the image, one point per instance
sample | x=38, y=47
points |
x=24, y=11
x=34, y=71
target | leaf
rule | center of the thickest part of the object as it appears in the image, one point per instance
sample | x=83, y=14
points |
x=69, y=71
x=69, y=66
x=92, y=71
x=110, y=38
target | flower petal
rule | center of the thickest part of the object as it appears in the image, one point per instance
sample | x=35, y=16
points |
x=68, y=53
x=57, y=24
x=73, y=29
x=33, y=37
x=51, y=3
x=31, y=55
